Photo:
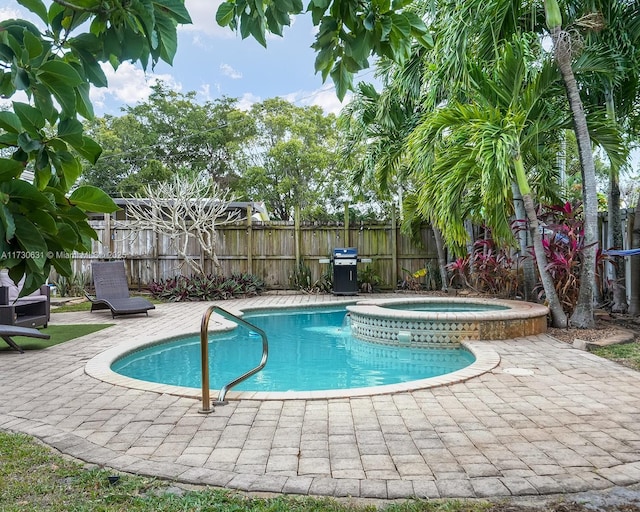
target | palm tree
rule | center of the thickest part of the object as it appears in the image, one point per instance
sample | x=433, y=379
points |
x=480, y=150
x=612, y=55
x=381, y=122
x=476, y=29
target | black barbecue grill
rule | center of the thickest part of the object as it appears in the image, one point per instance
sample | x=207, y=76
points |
x=345, y=271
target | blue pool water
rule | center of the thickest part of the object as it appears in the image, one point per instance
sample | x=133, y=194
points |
x=447, y=307
x=309, y=349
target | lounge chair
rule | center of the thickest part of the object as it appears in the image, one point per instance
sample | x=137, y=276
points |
x=8, y=331
x=112, y=290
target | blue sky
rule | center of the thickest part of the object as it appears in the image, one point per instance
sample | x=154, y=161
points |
x=214, y=61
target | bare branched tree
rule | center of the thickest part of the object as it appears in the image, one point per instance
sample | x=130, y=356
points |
x=185, y=209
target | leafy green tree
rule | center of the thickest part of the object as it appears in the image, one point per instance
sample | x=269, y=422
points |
x=127, y=162
x=168, y=133
x=54, y=66
x=349, y=31
x=292, y=161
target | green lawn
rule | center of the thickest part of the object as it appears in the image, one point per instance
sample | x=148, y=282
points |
x=627, y=354
x=58, y=333
x=33, y=477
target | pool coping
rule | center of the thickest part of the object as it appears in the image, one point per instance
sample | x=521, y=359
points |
x=99, y=367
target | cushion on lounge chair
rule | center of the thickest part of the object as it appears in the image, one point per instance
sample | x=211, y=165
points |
x=14, y=289
x=112, y=290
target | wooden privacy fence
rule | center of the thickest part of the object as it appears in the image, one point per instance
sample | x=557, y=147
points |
x=271, y=250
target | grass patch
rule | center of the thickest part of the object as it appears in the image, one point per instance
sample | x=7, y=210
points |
x=69, y=307
x=33, y=477
x=627, y=354
x=86, y=305
x=58, y=333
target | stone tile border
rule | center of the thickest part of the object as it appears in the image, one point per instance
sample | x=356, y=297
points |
x=99, y=367
x=378, y=321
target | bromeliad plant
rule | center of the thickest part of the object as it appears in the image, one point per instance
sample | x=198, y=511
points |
x=206, y=287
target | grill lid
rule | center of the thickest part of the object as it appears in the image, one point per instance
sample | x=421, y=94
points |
x=345, y=252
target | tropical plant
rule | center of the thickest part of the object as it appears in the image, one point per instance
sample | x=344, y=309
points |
x=468, y=156
x=375, y=127
x=410, y=281
x=369, y=280
x=564, y=245
x=348, y=32
x=612, y=36
x=582, y=315
x=301, y=279
x=495, y=269
x=201, y=287
x=71, y=286
x=42, y=222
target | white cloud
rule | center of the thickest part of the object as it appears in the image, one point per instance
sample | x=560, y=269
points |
x=205, y=92
x=248, y=100
x=129, y=85
x=325, y=98
x=203, y=17
x=8, y=13
x=227, y=70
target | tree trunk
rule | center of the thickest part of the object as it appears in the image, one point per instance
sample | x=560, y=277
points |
x=558, y=316
x=615, y=274
x=614, y=240
x=582, y=316
x=528, y=265
x=442, y=258
x=468, y=226
x=634, y=303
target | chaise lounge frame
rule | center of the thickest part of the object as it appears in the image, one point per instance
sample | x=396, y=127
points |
x=7, y=332
x=112, y=290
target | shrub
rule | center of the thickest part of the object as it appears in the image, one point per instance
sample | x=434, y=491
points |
x=563, y=243
x=369, y=280
x=73, y=286
x=200, y=287
x=427, y=278
x=301, y=279
x=489, y=269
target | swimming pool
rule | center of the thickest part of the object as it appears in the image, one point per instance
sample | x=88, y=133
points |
x=309, y=350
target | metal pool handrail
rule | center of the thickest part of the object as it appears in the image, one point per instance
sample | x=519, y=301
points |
x=204, y=356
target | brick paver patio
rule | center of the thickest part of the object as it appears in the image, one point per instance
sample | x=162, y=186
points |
x=570, y=424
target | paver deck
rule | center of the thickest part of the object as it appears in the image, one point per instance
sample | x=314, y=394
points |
x=564, y=421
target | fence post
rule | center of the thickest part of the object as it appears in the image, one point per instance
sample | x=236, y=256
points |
x=347, y=242
x=296, y=234
x=394, y=248
x=249, y=240
x=107, y=238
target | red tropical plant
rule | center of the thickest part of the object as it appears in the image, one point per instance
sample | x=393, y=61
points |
x=563, y=241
